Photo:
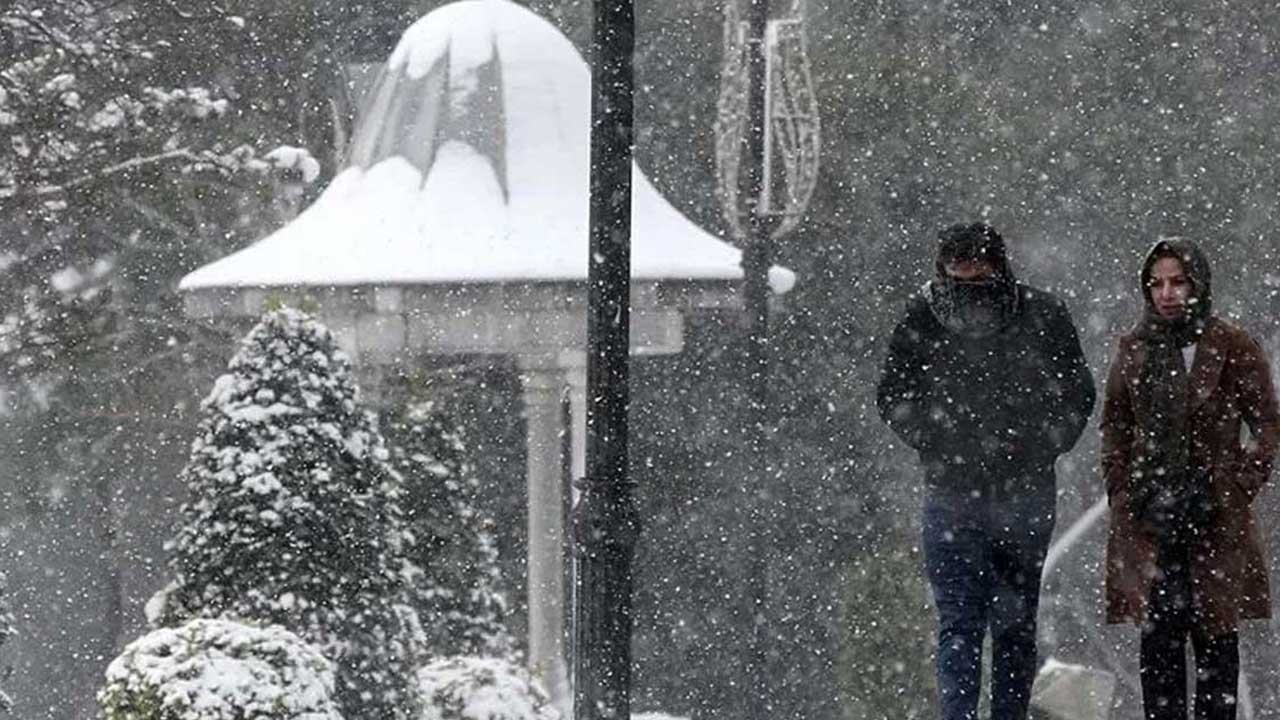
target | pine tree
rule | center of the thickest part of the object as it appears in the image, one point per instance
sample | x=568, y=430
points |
x=294, y=516
x=453, y=549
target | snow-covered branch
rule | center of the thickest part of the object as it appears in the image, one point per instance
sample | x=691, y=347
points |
x=106, y=172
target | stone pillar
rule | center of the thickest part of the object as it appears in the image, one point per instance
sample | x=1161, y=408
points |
x=575, y=365
x=543, y=382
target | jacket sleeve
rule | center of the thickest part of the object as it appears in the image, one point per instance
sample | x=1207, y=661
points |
x=1075, y=390
x=902, y=395
x=1257, y=396
x=1117, y=428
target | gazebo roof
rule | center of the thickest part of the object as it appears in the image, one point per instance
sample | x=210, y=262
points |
x=470, y=164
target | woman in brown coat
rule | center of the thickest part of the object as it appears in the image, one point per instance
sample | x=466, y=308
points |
x=1190, y=427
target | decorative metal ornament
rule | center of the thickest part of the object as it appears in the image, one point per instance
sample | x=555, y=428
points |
x=792, y=142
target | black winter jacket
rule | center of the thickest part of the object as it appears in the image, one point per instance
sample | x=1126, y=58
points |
x=988, y=414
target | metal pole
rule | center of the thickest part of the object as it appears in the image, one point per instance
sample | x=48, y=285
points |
x=605, y=522
x=756, y=259
x=757, y=256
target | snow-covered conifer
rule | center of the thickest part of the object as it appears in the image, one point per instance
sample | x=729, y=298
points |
x=219, y=670
x=294, y=516
x=453, y=549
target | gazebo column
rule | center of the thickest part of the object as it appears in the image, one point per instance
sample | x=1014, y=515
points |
x=543, y=381
x=576, y=373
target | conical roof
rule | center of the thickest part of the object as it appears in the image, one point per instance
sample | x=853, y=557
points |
x=470, y=164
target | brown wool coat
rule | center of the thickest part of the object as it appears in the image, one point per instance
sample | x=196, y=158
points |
x=1230, y=388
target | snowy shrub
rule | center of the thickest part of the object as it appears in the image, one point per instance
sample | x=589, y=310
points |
x=294, y=516
x=473, y=688
x=452, y=548
x=219, y=670
x=655, y=716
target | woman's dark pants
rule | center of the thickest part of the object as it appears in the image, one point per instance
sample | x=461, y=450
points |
x=1171, y=619
x=983, y=556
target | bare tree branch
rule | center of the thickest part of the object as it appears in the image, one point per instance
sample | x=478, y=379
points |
x=105, y=173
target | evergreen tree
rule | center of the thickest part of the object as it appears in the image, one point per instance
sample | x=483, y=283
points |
x=294, y=516
x=453, y=550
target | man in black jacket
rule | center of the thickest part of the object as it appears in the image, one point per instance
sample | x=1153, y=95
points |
x=986, y=380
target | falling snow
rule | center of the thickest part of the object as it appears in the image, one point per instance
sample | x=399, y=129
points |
x=268, y=445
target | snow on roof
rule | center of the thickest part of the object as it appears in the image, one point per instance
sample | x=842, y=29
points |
x=471, y=164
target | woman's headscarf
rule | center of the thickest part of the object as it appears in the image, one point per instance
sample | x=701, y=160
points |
x=1167, y=493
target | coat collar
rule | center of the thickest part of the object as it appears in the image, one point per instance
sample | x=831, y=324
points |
x=1206, y=369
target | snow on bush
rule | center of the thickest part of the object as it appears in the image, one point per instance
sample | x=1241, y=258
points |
x=475, y=688
x=655, y=716
x=219, y=670
x=294, y=516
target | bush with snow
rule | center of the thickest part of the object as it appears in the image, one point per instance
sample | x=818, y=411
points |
x=219, y=670
x=294, y=516
x=475, y=688
x=453, y=550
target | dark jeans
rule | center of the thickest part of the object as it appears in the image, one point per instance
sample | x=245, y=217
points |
x=1171, y=618
x=983, y=556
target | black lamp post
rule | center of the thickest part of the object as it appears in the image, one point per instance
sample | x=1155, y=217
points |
x=605, y=522
x=767, y=164
x=757, y=257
